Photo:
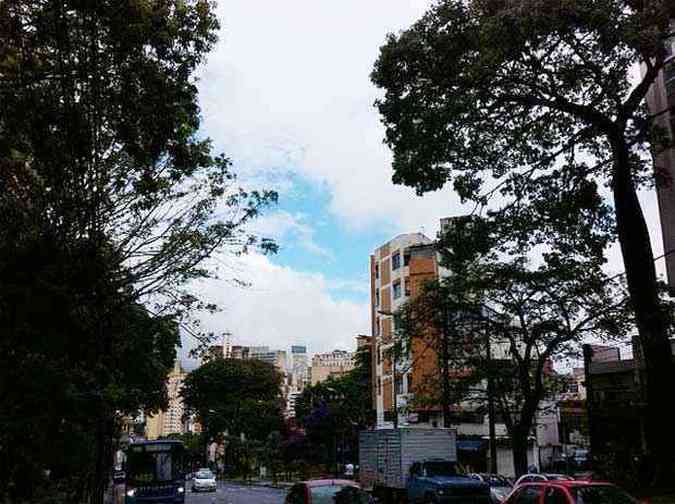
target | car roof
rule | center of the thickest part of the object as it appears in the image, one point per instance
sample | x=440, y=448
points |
x=330, y=482
x=569, y=483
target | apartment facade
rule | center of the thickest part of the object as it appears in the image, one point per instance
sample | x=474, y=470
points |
x=170, y=420
x=398, y=269
x=335, y=363
x=661, y=100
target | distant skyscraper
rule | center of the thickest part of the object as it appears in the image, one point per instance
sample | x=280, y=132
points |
x=299, y=367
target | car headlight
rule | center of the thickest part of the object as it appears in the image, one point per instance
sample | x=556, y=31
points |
x=181, y=489
x=443, y=491
x=131, y=492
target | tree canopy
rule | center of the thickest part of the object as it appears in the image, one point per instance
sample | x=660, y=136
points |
x=236, y=397
x=523, y=104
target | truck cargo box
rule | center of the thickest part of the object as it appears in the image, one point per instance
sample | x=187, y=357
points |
x=385, y=455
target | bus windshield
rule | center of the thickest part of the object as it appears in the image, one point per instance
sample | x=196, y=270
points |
x=155, y=463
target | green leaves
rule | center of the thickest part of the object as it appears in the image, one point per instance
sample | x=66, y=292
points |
x=234, y=396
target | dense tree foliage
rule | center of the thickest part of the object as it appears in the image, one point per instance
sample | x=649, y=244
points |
x=111, y=203
x=522, y=103
x=333, y=412
x=529, y=315
x=233, y=396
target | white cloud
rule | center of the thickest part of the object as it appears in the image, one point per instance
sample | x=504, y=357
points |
x=285, y=227
x=283, y=307
x=288, y=87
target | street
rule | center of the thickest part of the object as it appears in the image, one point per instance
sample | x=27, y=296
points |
x=229, y=493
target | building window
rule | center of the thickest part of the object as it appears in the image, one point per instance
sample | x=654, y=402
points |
x=379, y=386
x=377, y=327
x=377, y=297
x=407, y=287
x=398, y=385
x=406, y=259
x=397, y=289
x=396, y=261
x=388, y=416
x=377, y=270
x=409, y=382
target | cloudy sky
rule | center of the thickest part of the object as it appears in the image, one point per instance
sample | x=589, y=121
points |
x=286, y=94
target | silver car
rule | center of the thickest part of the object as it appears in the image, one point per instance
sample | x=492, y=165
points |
x=204, y=481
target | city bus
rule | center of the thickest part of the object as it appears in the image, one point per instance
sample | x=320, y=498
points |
x=155, y=472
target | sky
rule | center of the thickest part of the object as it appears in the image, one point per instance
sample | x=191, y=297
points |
x=286, y=95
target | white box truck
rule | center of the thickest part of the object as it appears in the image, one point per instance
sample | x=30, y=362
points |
x=415, y=465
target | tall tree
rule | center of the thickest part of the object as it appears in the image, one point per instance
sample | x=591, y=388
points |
x=528, y=315
x=505, y=98
x=102, y=165
x=235, y=397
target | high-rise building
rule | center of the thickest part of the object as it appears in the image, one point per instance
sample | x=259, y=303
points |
x=335, y=363
x=661, y=102
x=398, y=269
x=299, y=367
x=275, y=357
x=170, y=420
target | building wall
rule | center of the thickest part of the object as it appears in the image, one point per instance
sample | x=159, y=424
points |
x=385, y=300
x=335, y=364
x=661, y=97
x=171, y=420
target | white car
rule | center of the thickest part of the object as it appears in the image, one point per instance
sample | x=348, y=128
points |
x=204, y=481
x=534, y=477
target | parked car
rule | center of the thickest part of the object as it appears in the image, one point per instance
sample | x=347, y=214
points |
x=569, y=492
x=327, y=491
x=204, y=481
x=500, y=486
x=534, y=477
x=438, y=481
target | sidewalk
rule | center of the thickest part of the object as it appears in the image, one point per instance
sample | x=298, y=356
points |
x=260, y=482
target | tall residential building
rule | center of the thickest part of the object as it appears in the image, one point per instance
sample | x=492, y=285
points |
x=170, y=420
x=661, y=100
x=335, y=363
x=398, y=269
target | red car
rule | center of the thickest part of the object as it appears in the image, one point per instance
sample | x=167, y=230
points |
x=569, y=492
x=327, y=491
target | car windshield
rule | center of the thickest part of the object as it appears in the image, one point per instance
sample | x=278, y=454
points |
x=441, y=469
x=601, y=494
x=204, y=475
x=338, y=494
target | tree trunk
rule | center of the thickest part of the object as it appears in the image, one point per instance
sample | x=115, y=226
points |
x=519, y=444
x=651, y=319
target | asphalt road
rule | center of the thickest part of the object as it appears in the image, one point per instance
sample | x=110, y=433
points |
x=237, y=494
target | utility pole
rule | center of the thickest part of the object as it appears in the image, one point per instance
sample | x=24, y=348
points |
x=491, y=400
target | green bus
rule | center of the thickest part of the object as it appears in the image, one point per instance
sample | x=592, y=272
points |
x=155, y=472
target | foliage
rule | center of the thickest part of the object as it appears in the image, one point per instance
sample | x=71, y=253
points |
x=335, y=410
x=529, y=315
x=235, y=397
x=111, y=204
x=520, y=104
x=195, y=447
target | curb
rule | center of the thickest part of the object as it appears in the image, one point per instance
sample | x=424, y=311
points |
x=278, y=486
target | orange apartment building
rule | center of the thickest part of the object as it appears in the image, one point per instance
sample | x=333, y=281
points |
x=398, y=270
